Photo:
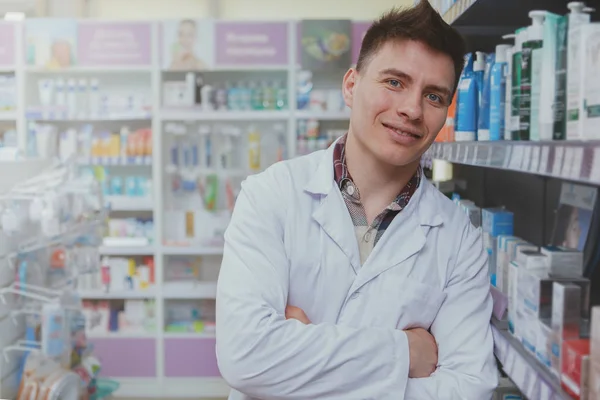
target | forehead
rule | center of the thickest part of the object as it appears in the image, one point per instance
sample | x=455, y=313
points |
x=415, y=59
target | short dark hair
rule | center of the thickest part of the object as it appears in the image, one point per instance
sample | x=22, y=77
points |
x=420, y=23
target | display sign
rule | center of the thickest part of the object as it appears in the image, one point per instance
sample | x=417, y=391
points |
x=114, y=44
x=50, y=43
x=187, y=44
x=326, y=44
x=359, y=29
x=7, y=44
x=251, y=43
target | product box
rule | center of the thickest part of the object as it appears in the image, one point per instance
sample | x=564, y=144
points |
x=594, y=381
x=563, y=261
x=513, y=281
x=502, y=262
x=543, y=345
x=575, y=367
x=565, y=321
x=506, y=390
x=595, y=334
x=497, y=221
x=589, y=108
x=531, y=259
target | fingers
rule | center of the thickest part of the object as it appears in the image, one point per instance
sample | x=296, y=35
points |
x=296, y=313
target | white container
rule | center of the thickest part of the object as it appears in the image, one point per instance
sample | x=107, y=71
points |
x=589, y=110
x=577, y=18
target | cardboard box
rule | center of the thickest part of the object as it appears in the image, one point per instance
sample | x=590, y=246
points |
x=594, y=381
x=502, y=262
x=564, y=261
x=575, y=367
x=595, y=335
x=566, y=320
x=543, y=345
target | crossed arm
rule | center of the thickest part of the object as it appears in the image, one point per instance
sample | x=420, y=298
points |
x=263, y=354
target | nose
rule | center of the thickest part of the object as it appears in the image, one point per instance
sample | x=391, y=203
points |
x=411, y=106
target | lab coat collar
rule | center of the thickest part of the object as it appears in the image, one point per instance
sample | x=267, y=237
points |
x=426, y=205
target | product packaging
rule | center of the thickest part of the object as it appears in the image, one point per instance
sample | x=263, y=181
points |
x=578, y=17
x=575, y=368
x=498, y=76
x=515, y=125
x=548, y=88
x=543, y=345
x=563, y=261
x=594, y=383
x=502, y=261
x=565, y=321
x=466, y=118
x=530, y=76
x=560, y=96
x=483, y=128
x=590, y=82
x=495, y=222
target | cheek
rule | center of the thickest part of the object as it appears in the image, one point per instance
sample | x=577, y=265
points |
x=435, y=119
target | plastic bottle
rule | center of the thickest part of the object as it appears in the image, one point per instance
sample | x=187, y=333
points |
x=530, y=75
x=515, y=126
x=466, y=122
x=257, y=96
x=479, y=72
x=577, y=17
x=550, y=67
x=483, y=126
x=509, y=89
x=498, y=77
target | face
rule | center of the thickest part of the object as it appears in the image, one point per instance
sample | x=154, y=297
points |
x=399, y=101
x=187, y=35
x=573, y=231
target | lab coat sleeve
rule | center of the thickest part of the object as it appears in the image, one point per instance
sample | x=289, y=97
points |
x=466, y=364
x=263, y=355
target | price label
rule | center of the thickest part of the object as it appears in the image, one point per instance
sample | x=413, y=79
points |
x=577, y=162
x=458, y=153
x=475, y=153
x=466, y=156
x=526, y=158
x=567, y=162
x=535, y=159
x=595, y=172
x=516, y=158
x=559, y=155
x=544, y=160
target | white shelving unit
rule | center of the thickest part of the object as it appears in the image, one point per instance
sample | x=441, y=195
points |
x=160, y=382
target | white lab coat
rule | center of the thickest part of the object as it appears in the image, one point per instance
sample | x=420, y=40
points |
x=291, y=241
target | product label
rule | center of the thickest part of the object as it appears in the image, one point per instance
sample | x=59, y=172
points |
x=516, y=97
x=536, y=89
x=497, y=102
x=559, y=132
x=526, y=83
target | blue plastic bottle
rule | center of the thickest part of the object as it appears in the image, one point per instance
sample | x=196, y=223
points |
x=466, y=110
x=483, y=126
x=498, y=93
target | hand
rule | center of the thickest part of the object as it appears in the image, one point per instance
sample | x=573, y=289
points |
x=292, y=312
x=423, y=353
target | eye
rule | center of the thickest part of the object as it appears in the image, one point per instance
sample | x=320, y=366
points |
x=435, y=98
x=394, y=83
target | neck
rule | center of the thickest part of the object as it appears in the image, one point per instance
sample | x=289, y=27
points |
x=378, y=182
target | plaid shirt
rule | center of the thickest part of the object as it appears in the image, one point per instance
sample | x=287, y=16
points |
x=367, y=235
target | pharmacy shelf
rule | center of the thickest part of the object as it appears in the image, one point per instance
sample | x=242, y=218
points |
x=171, y=388
x=50, y=116
x=108, y=69
x=192, y=251
x=116, y=161
x=118, y=295
x=573, y=161
x=199, y=115
x=127, y=250
x=323, y=115
x=130, y=203
x=531, y=377
x=120, y=335
x=189, y=290
x=8, y=115
x=188, y=335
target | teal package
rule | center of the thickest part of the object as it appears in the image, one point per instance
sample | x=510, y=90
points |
x=560, y=94
x=530, y=74
x=497, y=110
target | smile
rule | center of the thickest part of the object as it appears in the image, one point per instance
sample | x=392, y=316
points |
x=401, y=132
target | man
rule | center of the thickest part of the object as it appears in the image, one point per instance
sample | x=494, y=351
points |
x=346, y=275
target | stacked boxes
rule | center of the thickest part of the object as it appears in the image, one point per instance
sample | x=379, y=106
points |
x=594, y=380
x=495, y=222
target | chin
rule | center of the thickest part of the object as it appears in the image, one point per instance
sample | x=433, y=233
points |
x=398, y=155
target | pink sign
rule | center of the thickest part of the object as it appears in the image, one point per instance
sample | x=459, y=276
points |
x=359, y=29
x=7, y=43
x=251, y=43
x=114, y=44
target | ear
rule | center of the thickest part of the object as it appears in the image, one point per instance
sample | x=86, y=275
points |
x=348, y=85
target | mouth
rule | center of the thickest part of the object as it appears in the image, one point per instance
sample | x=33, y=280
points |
x=409, y=133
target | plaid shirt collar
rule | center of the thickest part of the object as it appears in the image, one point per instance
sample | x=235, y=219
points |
x=342, y=178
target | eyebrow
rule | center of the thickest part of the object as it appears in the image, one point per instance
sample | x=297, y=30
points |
x=403, y=75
